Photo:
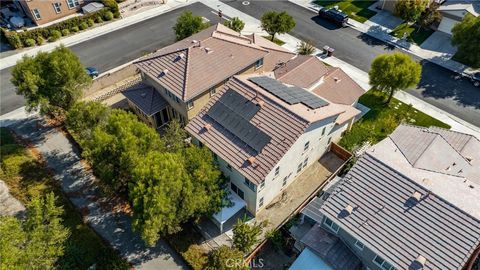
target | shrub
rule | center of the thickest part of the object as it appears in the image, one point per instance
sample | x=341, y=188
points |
x=65, y=32
x=98, y=19
x=196, y=257
x=13, y=164
x=83, y=26
x=40, y=40
x=30, y=42
x=90, y=22
x=14, y=40
x=75, y=29
x=108, y=16
x=54, y=36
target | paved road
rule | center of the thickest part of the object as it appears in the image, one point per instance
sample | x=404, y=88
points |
x=113, y=49
x=437, y=87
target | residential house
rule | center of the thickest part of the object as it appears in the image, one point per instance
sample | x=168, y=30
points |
x=264, y=133
x=44, y=11
x=454, y=11
x=186, y=75
x=410, y=202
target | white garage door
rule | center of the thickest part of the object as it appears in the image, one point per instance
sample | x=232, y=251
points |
x=446, y=25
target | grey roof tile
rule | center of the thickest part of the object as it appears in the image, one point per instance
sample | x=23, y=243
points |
x=147, y=99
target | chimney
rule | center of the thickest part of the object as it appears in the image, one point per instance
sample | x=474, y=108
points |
x=261, y=103
x=416, y=196
x=420, y=260
x=336, y=79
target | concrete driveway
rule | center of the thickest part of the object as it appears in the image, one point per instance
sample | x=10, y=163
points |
x=440, y=42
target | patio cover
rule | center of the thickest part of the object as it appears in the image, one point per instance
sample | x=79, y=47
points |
x=92, y=7
x=229, y=211
x=309, y=260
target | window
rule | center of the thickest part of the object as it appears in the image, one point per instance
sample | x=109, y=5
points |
x=177, y=99
x=56, y=7
x=249, y=184
x=260, y=203
x=262, y=185
x=329, y=140
x=284, y=181
x=323, y=130
x=305, y=147
x=213, y=91
x=277, y=171
x=72, y=3
x=237, y=190
x=359, y=245
x=382, y=263
x=241, y=194
x=229, y=167
x=190, y=104
x=215, y=157
x=36, y=14
x=259, y=64
x=299, y=168
x=305, y=162
x=330, y=224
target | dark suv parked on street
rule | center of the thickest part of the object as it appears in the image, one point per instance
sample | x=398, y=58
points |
x=335, y=16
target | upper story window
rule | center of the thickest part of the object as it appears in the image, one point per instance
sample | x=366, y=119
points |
x=382, y=263
x=306, y=146
x=305, y=162
x=262, y=185
x=56, y=7
x=259, y=63
x=177, y=99
x=323, y=130
x=250, y=185
x=299, y=168
x=237, y=190
x=359, y=245
x=330, y=224
x=284, y=181
x=277, y=171
x=36, y=14
x=72, y=3
x=260, y=203
x=190, y=104
x=213, y=91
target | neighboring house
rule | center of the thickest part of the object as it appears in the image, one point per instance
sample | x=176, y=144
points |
x=44, y=11
x=454, y=11
x=185, y=75
x=264, y=133
x=410, y=202
x=389, y=5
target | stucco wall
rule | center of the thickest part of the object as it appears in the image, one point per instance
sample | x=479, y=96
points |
x=111, y=78
x=47, y=11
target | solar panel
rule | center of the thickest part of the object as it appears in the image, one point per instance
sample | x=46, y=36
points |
x=233, y=112
x=291, y=95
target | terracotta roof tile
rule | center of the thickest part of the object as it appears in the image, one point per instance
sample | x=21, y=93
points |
x=303, y=71
x=338, y=87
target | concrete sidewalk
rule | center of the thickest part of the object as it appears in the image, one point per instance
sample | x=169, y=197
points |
x=381, y=32
x=11, y=60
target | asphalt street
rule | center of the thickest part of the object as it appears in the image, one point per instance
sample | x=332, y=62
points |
x=437, y=87
x=115, y=48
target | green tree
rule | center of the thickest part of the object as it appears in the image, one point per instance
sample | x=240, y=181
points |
x=51, y=81
x=245, y=235
x=235, y=24
x=305, y=48
x=174, y=136
x=430, y=15
x=391, y=72
x=226, y=258
x=84, y=116
x=410, y=10
x=277, y=23
x=466, y=36
x=37, y=242
x=117, y=147
x=188, y=24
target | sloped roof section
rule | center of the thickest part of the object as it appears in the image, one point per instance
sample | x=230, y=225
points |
x=302, y=71
x=194, y=65
x=146, y=98
x=338, y=87
x=397, y=227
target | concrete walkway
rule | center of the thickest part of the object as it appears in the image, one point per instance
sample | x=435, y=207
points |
x=79, y=185
x=378, y=28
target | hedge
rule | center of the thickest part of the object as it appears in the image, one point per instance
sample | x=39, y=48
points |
x=19, y=39
x=30, y=42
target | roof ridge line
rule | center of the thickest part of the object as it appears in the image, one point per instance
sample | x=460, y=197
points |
x=160, y=55
x=185, y=81
x=428, y=146
x=454, y=131
x=274, y=49
x=460, y=154
x=244, y=45
x=301, y=64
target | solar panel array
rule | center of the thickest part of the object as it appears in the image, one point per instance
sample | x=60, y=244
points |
x=291, y=95
x=233, y=112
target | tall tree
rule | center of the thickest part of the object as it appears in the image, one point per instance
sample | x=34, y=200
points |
x=175, y=136
x=84, y=116
x=52, y=81
x=188, y=24
x=235, y=24
x=245, y=235
x=226, y=258
x=410, y=10
x=466, y=36
x=430, y=15
x=391, y=72
x=37, y=242
x=277, y=23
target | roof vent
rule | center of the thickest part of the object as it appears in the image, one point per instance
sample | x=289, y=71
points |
x=208, y=50
x=143, y=95
x=252, y=160
x=336, y=79
x=469, y=159
x=181, y=56
x=207, y=127
x=348, y=209
x=261, y=103
x=421, y=260
x=417, y=196
x=164, y=72
x=194, y=41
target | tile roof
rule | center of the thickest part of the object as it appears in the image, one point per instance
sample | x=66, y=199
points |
x=204, y=60
x=146, y=98
x=331, y=249
x=338, y=87
x=302, y=71
x=390, y=222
